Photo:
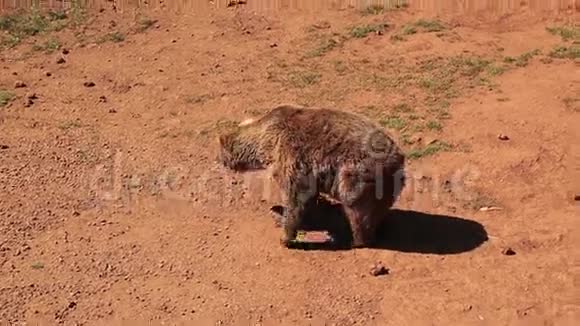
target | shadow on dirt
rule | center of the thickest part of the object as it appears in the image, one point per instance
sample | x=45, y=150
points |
x=401, y=230
x=411, y=231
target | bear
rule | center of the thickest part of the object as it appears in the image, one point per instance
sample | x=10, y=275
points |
x=315, y=150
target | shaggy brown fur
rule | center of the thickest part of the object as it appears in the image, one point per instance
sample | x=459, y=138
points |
x=321, y=151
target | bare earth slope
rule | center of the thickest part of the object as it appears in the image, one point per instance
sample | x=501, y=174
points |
x=112, y=207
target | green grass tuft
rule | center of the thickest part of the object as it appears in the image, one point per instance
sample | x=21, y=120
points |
x=37, y=265
x=302, y=79
x=566, y=52
x=566, y=32
x=69, y=125
x=363, y=30
x=22, y=24
x=112, y=37
x=49, y=46
x=376, y=9
x=434, y=125
x=396, y=123
x=325, y=45
x=5, y=97
x=373, y=10
x=431, y=149
x=144, y=23
x=403, y=108
x=430, y=25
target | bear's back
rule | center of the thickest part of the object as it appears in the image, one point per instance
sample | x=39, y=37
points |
x=322, y=134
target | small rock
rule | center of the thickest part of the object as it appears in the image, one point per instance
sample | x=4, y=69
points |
x=467, y=308
x=379, y=32
x=60, y=61
x=31, y=96
x=2, y=146
x=489, y=209
x=65, y=51
x=429, y=141
x=508, y=251
x=19, y=84
x=173, y=41
x=577, y=197
x=89, y=84
x=378, y=270
x=28, y=102
x=415, y=139
x=75, y=213
x=48, y=74
x=273, y=45
x=103, y=99
x=232, y=3
x=502, y=137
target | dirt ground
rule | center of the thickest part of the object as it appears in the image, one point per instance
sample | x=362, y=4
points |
x=113, y=210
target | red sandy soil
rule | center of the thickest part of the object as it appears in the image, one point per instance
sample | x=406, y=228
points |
x=113, y=209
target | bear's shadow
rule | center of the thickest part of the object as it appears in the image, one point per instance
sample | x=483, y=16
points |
x=401, y=230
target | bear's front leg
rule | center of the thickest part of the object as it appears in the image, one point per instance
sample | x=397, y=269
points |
x=301, y=191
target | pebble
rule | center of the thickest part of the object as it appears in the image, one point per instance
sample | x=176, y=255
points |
x=503, y=137
x=489, y=208
x=577, y=197
x=60, y=61
x=378, y=270
x=89, y=84
x=65, y=51
x=19, y=84
x=29, y=99
x=508, y=251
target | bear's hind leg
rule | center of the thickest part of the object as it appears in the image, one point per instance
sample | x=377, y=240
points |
x=363, y=225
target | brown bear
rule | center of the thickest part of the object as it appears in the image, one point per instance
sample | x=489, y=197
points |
x=312, y=151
